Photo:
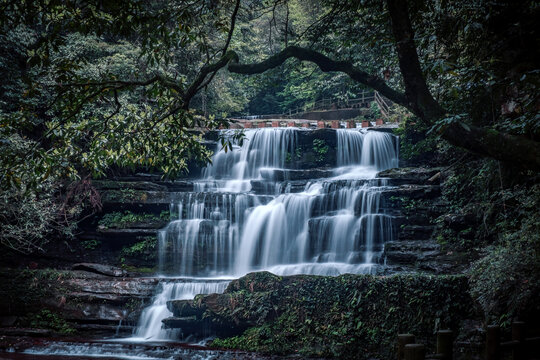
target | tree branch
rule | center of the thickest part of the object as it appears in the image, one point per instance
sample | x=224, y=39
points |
x=325, y=64
x=416, y=90
x=205, y=70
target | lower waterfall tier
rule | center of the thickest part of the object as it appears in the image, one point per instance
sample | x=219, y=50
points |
x=233, y=234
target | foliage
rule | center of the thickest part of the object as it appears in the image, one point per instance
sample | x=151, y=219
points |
x=92, y=94
x=320, y=149
x=27, y=218
x=91, y=244
x=46, y=319
x=25, y=291
x=145, y=248
x=119, y=220
x=506, y=281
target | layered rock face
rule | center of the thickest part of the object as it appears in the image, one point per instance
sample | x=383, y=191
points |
x=64, y=301
x=230, y=221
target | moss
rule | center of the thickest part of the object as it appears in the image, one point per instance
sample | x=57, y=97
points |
x=145, y=249
x=124, y=195
x=140, y=270
x=343, y=316
x=28, y=291
x=91, y=244
x=46, y=319
x=320, y=148
x=122, y=220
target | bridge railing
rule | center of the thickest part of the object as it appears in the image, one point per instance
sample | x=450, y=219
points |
x=362, y=100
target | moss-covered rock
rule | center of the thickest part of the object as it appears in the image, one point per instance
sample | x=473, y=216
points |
x=332, y=316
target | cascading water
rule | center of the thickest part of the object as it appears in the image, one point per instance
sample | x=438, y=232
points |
x=225, y=230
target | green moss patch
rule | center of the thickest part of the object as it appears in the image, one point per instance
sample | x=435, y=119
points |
x=341, y=317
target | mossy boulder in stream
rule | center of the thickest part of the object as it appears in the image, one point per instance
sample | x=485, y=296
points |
x=345, y=317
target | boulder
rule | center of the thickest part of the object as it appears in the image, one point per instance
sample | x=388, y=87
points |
x=107, y=270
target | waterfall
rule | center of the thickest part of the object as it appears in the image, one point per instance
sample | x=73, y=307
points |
x=225, y=230
x=149, y=327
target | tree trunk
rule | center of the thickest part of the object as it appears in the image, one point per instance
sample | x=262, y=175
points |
x=417, y=97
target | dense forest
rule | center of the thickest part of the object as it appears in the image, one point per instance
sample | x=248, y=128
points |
x=93, y=90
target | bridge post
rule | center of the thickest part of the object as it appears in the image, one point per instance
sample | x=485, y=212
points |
x=275, y=123
x=305, y=125
x=379, y=122
x=518, y=334
x=351, y=124
x=445, y=344
x=365, y=123
x=335, y=124
x=321, y=124
x=415, y=352
x=248, y=125
x=493, y=342
x=404, y=339
x=261, y=124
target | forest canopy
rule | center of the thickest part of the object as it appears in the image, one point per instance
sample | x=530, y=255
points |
x=90, y=87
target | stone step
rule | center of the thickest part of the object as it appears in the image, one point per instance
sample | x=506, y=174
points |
x=413, y=175
x=415, y=232
x=410, y=252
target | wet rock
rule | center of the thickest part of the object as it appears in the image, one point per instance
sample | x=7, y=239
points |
x=198, y=327
x=286, y=174
x=185, y=308
x=136, y=287
x=255, y=282
x=415, y=232
x=178, y=185
x=411, y=175
x=108, y=270
x=123, y=185
x=410, y=252
x=6, y=321
x=188, y=324
x=413, y=191
x=269, y=187
x=20, y=332
x=131, y=196
x=459, y=221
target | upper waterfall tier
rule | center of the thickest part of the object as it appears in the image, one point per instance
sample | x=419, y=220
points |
x=268, y=149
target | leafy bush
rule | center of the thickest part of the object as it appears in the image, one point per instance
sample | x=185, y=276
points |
x=27, y=216
x=145, y=248
x=506, y=281
x=320, y=148
x=119, y=220
x=49, y=320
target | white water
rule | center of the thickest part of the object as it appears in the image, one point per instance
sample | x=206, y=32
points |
x=224, y=229
x=69, y=350
x=149, y=327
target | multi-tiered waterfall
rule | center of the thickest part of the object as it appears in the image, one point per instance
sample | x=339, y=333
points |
x=248, y=213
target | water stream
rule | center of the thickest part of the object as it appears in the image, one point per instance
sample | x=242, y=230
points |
x=227, y=228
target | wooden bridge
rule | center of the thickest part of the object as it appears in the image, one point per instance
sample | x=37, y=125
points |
x=333, y=113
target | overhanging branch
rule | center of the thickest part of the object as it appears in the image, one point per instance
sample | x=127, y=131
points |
x=325, y=64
